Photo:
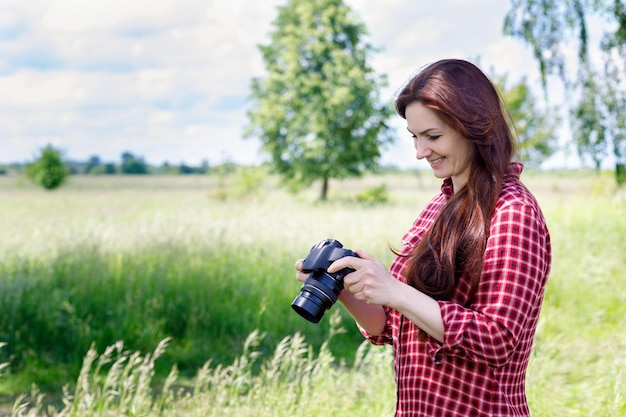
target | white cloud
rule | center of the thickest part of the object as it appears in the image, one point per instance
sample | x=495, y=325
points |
x=168, y=79
x=79, y=15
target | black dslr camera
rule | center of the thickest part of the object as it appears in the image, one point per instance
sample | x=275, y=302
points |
x=321, y=289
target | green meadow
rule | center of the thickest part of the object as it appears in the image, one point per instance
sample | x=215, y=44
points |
x=170, y=296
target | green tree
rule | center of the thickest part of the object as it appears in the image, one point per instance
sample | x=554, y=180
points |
x=133, y=165
x=587, y=121
x=93, y=165
x=48, y=170
x=597, y=95
x=536, y=129
x=317, y=110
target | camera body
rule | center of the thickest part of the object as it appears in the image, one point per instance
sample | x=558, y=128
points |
x=321, y=289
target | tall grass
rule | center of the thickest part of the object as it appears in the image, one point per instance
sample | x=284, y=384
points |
x=293, y=382
x=109, y=263
x=149, y=260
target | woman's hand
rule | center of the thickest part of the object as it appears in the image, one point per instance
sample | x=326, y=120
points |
x=370, y=282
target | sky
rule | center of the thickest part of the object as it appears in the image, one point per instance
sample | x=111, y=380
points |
x=168, y=80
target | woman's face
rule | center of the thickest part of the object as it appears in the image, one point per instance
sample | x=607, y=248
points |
x=448, y=153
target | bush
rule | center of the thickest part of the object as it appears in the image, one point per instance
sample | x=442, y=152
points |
x=374, y=195
x=2, y=365
x=238, y=182
x=49, y=170
x=620, y=174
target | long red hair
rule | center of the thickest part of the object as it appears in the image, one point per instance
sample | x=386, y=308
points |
x=470, y=104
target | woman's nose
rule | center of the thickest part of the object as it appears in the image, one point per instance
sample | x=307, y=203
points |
x=422, y=150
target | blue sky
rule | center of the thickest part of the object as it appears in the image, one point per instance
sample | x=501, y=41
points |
x=168, y=79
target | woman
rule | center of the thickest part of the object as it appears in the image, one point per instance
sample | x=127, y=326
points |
x=461, y=301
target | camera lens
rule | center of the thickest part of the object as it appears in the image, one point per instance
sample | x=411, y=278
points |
x=318, y=294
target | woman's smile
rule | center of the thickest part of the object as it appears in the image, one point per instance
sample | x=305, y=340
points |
x=436, y=162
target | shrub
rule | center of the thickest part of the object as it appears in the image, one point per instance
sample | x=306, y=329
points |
x=620, y=174
x=49, y=170
x=2, y=365
x=374, y=195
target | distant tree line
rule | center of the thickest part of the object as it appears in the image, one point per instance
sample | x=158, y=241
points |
x=129, y=164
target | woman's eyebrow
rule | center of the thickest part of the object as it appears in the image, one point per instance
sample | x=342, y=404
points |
x=422, y=132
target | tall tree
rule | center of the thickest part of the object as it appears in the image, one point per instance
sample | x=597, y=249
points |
x=597, y=96
x=317, y=110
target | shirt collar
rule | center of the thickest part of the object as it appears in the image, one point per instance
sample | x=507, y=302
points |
x=446, y=188
x=515, y=170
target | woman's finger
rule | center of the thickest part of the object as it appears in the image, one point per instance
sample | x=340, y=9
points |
x=299, y=264
x=364, y=255
x=346, y=262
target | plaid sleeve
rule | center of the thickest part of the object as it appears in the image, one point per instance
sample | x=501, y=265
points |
x=510, y=290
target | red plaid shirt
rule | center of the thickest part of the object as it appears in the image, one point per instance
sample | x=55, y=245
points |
x=480, y=368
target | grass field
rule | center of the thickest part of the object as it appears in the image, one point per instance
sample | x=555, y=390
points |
x=206, y=263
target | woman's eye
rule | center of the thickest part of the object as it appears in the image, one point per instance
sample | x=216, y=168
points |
x=429, y=137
